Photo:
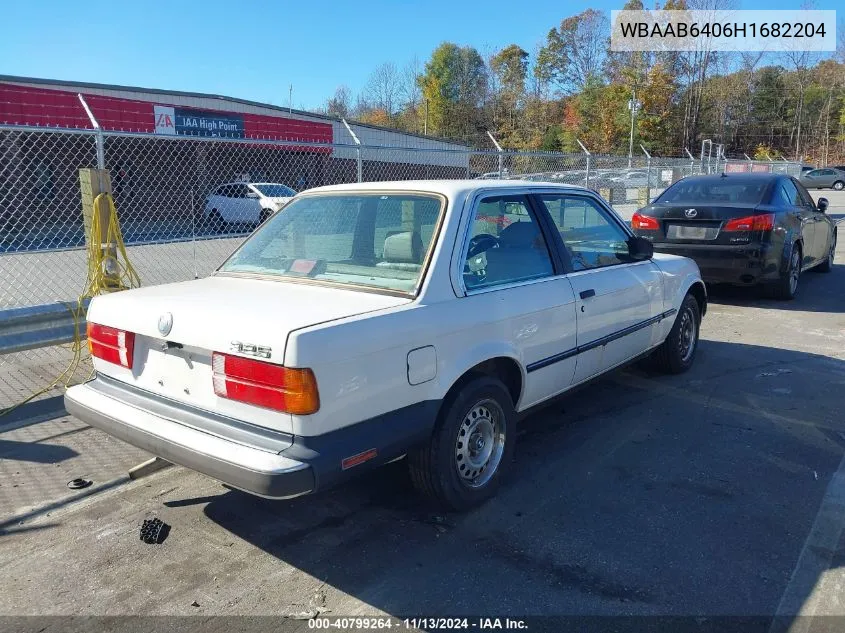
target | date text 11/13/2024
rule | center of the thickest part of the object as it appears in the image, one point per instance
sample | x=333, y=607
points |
x=428, y=624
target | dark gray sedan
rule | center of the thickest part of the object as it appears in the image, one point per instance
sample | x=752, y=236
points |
x=826, y=178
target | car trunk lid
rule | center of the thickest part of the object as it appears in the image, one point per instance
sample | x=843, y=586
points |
x=697, y=223
x=234, y=315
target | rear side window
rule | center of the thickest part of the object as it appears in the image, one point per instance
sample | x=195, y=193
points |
x=791, y=192
x=714, y=191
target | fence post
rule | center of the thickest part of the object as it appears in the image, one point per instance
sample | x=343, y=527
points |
x=587, y=174
x=498, y=149
x=648, y=174
x=98, y=139
x=691, y=160
x=357, y=149
x=709, y=144
x=92, y=183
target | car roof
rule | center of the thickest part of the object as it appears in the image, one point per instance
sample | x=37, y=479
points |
x=448, y=188
x=735, y=177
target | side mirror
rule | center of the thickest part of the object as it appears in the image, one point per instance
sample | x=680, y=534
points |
x=821, y=205
x=252, y=194
x=639, y=248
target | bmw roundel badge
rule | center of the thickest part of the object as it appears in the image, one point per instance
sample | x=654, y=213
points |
x=165, y=323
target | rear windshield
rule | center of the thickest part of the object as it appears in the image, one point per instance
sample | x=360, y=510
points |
x=370, y=240
x=715, y=190
x=275, y=191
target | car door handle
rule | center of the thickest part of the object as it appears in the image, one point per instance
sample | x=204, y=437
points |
x=586, y=294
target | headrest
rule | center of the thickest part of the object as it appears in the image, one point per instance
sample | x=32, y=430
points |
x=403, y=247
x=522, y=234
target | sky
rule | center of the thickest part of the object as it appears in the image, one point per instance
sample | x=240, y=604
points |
x=257, y=50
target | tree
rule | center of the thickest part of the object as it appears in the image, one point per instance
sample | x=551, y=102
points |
x=509, y=70
x=454, y=85
x=574, y=53
x=340, y=104
x=384, y=89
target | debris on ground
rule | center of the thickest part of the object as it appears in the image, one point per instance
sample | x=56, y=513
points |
x=79, y=483
x=316, y=606
x=154, y=531
x=776, y=372
x=195, y=604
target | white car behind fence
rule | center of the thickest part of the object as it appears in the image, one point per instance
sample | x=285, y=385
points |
x=372, y=321
x=239, y=203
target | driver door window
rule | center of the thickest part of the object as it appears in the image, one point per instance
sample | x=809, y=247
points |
x=506, y=244
x=592, y=238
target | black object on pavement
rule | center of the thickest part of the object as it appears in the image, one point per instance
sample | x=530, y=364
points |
x=79, y=483
x=154, y=531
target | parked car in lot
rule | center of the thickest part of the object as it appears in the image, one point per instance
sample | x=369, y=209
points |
x=377, y=320
x=245, y=203
x=631, y=179
x=742, y=228
x=826, y=178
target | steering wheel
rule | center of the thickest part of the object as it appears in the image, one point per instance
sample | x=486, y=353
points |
x=480, y=243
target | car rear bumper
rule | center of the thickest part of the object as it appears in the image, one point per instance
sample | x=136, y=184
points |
x=261, y=461
x=742, y=264
x=248, y=468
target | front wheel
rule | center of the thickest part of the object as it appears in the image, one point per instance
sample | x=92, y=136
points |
x=677, y=353
x=839, y=185
x=471, y=447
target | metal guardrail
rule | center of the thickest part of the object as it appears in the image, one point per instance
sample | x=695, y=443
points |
x=32, y=327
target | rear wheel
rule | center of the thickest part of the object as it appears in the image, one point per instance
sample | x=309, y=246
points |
x=677, y=353
x=787, y=286
x=827, y=265
x=839, y=185
x=471, y=447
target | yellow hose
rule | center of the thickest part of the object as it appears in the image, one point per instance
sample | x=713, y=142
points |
x=99, y=280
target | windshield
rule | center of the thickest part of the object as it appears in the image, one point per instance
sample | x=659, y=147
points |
x=374, y=240
x=715, y=191
x=275, y=191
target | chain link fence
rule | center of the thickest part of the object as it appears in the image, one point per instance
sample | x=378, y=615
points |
x=185, y=203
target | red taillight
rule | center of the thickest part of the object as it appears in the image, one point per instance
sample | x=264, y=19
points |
x=111, y=345
x=762, y=222
x=265, y=384
x=640, y=221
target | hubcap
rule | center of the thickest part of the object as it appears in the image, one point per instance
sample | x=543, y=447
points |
x=794, y=271
x=688, y=333
x=480, y=443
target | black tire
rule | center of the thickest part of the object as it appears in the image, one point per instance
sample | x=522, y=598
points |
x=442, y=470
x=827, y=265
x=786, y=287
x=838, y=185
x=677, y=353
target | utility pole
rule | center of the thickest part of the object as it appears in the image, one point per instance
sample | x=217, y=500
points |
x=425, y=125
x=633, y=105
x=290, y=99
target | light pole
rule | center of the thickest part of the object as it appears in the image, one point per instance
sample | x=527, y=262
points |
x=633, y=106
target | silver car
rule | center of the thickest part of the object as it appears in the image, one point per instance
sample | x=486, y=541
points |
x=828, y=177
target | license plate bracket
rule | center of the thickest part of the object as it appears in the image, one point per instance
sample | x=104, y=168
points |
x=685, y=232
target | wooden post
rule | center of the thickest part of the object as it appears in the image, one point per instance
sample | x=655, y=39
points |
x=93, y=182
